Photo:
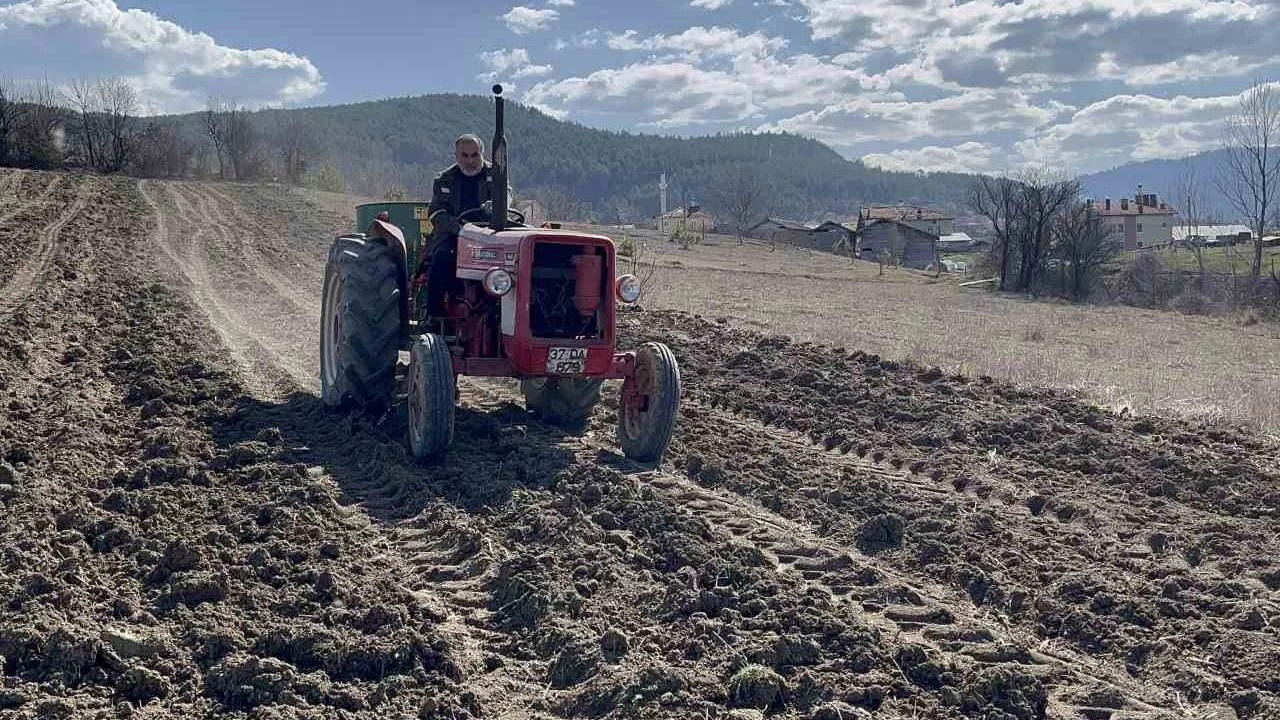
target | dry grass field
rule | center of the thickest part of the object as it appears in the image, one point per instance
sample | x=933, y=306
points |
x=1225, y=369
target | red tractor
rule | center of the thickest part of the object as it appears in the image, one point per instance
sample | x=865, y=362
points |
x=537, y=304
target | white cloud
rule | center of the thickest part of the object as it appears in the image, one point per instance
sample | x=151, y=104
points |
x=560, y=3
x=175, y=69
x=588, y=39
x=676, y=91
x=709, y=4
x=521, y=20
x=698, y=42
x=511, y=63
x=866, y=119
x=969, y=157
x=671, y=94
x=1129, y=128
x=989, y=43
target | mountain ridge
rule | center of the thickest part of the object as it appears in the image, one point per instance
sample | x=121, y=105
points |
x=399, y=144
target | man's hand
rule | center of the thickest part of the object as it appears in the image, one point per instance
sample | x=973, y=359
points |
x=445, y=223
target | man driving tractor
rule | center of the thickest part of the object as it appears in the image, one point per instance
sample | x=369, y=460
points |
x=465, y=185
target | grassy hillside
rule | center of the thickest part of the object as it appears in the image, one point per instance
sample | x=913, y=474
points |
x=403, y=142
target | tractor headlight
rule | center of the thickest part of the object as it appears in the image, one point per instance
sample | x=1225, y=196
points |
x=627, y=288
x=498, y=282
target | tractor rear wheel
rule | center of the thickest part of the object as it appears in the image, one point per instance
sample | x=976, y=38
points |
x=359, y=324
x=562, y=401
x=431, y=396
x=650, y=404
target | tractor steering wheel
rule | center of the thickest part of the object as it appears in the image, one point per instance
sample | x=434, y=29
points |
x=512, y=213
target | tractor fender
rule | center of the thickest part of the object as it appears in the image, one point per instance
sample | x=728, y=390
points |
x=391, y=236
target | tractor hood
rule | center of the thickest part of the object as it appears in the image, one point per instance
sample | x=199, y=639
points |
x=480, y=249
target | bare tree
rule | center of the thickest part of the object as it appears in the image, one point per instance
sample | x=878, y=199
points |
x=234, y=135
x=296, y=144
x=242, y=143
x=160, y=150
x=118, y=101
x=12, y=108
x=1083, y=244
x=85, y=100
x=641, y=261
x=215, y=128
x=742, y=196
x=40, y=133
x=1250, y=174
x=995, y=198
x=1189, y=201
x=559, y=203
x=1042, y=196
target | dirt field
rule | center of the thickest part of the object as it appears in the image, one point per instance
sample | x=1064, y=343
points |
x=189, y=533
x=1217, y=369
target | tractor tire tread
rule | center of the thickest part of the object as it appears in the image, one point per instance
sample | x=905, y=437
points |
x=431, y=365
x=370, y=308
x=652, y=445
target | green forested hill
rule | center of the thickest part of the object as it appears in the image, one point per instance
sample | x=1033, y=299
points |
x=401, y=143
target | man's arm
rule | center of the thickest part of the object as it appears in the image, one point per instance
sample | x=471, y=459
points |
x=442, y=202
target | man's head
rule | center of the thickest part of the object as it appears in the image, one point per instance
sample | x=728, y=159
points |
x=468, y=151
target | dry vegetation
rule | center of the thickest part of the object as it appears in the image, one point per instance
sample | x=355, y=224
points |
x=1121, y=357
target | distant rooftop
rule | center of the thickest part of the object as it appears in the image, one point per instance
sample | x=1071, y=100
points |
x=1211, y=232
x=784, y=223
x=905, y=212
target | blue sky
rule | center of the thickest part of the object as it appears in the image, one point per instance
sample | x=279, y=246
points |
x=975, y=85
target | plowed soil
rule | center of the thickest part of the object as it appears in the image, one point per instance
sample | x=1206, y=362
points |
x=188, y=532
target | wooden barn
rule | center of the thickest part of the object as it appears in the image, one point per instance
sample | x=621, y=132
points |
x=777, y=230
x=828, y=234
x=908, y=245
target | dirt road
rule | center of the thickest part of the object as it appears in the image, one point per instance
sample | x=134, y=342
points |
x=190, y=533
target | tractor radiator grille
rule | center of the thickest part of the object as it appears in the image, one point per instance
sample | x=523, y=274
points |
x=553, y=312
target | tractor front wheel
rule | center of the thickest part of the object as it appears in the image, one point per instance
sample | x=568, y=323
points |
x=431, y=397
x=561, y=401
x=650, y=404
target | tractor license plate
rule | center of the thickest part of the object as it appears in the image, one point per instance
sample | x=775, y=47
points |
x=566, y=361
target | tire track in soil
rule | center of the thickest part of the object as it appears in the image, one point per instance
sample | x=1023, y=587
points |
x=21, y=206
x=895, y=602
x=284, y=328
x=47, y=244
x=929, y=614
x=446, y=556
x=231, y=214
x=267, y=372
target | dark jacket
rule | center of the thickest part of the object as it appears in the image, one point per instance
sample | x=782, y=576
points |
x=446, y=193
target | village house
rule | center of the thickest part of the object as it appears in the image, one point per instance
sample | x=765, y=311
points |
x=696, y=221
x=831, y=234
x=955, y=242
x=778, y=230
x=1141, y=222
x=921, y=218
x=902, y=242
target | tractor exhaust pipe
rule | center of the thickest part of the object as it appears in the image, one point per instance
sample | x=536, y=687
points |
x=498, y=221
